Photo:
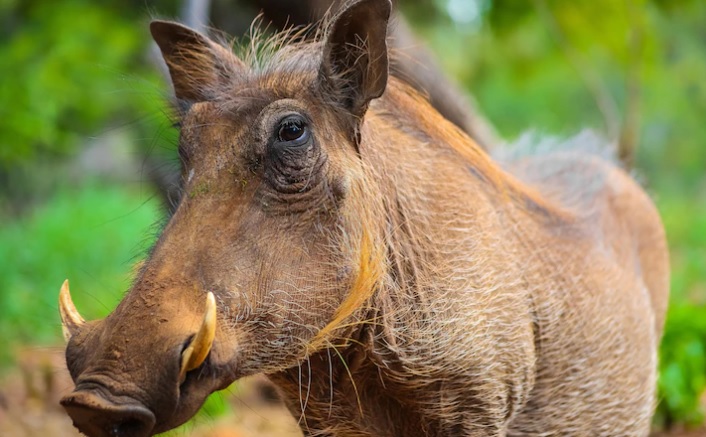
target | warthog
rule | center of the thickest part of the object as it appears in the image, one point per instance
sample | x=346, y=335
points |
x=340, y=236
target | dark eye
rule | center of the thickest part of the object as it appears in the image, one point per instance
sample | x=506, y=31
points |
x=290, y=131
x=293, y=131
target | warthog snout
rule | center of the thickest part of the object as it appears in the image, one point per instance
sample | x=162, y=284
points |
x=97, y=416
x=167, y=372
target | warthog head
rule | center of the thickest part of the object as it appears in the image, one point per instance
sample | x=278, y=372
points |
x=271, y=252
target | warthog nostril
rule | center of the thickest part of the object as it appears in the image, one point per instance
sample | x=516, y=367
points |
x=128, y=427
x=96, y=416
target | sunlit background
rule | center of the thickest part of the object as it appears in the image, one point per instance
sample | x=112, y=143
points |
x=85, y=125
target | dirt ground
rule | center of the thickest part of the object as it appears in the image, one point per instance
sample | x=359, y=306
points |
x=30, y=393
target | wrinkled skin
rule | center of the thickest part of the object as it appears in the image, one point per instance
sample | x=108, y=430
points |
x=261, y=225
x=375, y=263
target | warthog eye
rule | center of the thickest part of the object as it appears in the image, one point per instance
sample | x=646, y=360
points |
x=293, y=160
x=292, y=131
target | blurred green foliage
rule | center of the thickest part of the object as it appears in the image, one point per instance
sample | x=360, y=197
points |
x=528, y=69
x=72, y=68
x=60, y=68
x=683, y=350
x=683, y=360
x=92, y=235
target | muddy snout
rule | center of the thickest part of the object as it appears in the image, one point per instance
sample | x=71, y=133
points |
x=96, y=416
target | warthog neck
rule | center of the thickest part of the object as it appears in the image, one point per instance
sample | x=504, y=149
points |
x=345, y=393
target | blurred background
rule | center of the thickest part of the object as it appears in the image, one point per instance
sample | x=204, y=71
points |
x=87, y=140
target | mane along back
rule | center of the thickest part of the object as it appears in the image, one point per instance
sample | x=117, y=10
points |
x=411, y=113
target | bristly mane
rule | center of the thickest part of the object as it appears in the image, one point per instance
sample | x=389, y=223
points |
x=267, y=52
x=293, y=51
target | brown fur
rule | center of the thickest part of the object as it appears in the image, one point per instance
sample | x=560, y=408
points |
x=391, y=278
x=414, y=61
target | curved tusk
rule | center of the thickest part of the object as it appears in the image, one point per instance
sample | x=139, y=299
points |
x=71, y=320
x=195, y=354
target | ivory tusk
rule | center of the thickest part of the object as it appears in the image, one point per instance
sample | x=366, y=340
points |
x=71, y=320
x=195, y=354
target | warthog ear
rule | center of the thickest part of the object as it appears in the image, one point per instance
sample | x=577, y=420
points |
x=198, y=66
x=354, y=66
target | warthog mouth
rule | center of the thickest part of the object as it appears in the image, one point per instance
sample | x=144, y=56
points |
x=95, y=415
x=102, y=406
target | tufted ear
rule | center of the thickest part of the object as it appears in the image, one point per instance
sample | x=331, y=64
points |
x=198, y=66
x=354, y=66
